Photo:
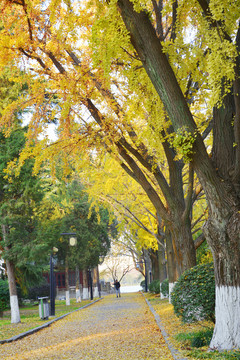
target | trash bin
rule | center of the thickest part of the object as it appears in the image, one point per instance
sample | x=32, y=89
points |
x=43, y=307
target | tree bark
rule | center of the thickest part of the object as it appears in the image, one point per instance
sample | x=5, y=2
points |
x=183, y=244
x=78, y=293
x=67, y=281
x=155, y=265
x=95, y=282
x=223, y=237
x=85, y=294
x=172, y=268
x=15, y=313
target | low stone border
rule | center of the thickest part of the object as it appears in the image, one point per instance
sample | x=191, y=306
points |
x=32, y=331
x=175, y=353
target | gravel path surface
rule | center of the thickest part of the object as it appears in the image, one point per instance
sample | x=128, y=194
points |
x=114, y=328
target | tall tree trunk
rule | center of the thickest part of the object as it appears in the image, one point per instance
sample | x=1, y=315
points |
x=95, y=282
x=162, y=261
x=78, y=294
x=172, y=268
x=181, y=236
x=85, y=294
x=15, y=313
x=67, y=281
x=222, y=229
x=223, y=238
x=155, y=265
x=161, y=254
x=222, y=233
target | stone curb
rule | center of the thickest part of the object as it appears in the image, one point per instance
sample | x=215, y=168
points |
x=32, y=331
x=175, y=353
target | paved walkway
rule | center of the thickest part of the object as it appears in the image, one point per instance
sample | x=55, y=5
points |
x=114, y=328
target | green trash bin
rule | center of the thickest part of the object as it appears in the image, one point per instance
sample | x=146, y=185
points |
x=43, y=306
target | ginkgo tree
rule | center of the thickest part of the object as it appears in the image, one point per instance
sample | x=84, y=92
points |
x=93, y=110
x=107, y=182
x=207, y=64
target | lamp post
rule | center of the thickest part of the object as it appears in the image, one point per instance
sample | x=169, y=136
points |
x=72, y=242
x=90, y=283
x=52, y=284
x=52, y=288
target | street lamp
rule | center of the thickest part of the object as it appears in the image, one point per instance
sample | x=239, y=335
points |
x=90, y=282
x=72, y=238
x=72, y=242
x=52, y=283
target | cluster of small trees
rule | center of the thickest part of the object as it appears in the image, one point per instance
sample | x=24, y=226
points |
x=34, y=211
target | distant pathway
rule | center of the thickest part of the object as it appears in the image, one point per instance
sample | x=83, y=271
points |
x=118, y=329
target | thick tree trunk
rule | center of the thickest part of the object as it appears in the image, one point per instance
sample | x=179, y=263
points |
x=183, y=245
x=67, y=281
x=85, y=294
x=15, y=313
x=95, y=282
x=162, y=260
x=155, y=265
x=223, y=238
x=172, y=268
x=78, y=294
x=222, y=231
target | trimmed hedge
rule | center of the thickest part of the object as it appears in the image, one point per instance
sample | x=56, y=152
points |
x=165, y=288
x=193, y=295
x=4, y=295
x=154, y=287
x=142, y=284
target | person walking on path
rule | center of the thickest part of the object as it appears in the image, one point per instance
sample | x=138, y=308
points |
x=117, y=287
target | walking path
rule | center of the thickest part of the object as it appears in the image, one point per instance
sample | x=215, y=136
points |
x=114, y=328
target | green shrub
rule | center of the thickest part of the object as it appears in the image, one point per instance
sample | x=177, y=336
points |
x=193, y=295
x=4, y=295
x=154, y=287
x=142, y=284
x=165, y=287
x=201, y=338
x=38, y=291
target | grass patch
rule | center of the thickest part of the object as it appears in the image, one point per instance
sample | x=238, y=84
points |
x=196, y=339
x=30, y=317
x=215, y=355
x=191, y=340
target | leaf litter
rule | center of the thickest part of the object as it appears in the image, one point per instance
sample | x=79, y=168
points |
x=122, y=328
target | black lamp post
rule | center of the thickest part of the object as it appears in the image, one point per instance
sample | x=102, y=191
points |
x=52, y=284
x=72, y=242
x=52, y=295
x=90, y=283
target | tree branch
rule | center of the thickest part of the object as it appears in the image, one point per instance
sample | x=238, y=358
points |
x=199, y=241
